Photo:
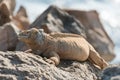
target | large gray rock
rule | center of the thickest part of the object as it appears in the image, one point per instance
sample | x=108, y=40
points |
x=56, y=20
x=27, y=66
x=111, y=73
x=95, y=32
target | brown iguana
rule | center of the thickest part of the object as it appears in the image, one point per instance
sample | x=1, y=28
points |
x=58, y=46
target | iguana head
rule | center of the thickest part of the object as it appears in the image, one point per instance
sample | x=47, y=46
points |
x=32, y=35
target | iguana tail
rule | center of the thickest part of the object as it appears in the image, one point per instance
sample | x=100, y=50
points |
x=95, y=58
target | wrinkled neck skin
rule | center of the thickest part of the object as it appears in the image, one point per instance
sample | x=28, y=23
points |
x=50, y=43
x=43, y=44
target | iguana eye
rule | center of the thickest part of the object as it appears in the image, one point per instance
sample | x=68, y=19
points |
x=27, y=32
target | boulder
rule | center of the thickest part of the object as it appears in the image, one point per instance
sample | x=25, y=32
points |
x=10, y=5
x=4, y=14
x=56, y=20
x=111, y=73
x=8, y=37
x=95, y=32
x=28, y=66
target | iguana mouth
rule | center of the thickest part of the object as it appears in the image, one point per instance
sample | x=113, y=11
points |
x=22, y=36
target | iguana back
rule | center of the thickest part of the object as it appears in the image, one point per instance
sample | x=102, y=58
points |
x=77, y=48
x=72, y=48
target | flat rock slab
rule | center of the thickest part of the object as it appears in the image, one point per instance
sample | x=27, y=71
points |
x=28, y=66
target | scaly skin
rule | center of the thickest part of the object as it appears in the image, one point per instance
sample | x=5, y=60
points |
x=58, y=46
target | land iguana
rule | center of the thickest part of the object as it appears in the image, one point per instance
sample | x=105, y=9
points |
x=56, y=46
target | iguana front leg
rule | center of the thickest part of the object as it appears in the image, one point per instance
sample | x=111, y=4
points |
x=53, y=57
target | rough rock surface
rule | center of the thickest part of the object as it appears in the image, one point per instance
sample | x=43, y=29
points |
x=27, y=66
x=111, y=73
x=95, y=32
